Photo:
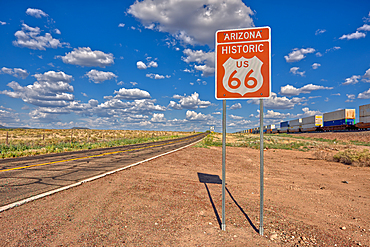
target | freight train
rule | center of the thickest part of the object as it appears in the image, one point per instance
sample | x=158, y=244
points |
x=340, y=120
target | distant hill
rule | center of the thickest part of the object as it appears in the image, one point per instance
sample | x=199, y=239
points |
x=4, y=127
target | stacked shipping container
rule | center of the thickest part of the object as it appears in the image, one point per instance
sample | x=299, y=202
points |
x=295, y=125
x=284, y=126
x=340, y=117
x=364, y=114
x=311, y=123
x=269, y=128
x=337, y=120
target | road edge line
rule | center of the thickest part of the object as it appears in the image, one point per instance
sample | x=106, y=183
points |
x=48, y=193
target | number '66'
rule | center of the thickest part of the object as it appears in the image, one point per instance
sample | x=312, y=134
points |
x=249, y=82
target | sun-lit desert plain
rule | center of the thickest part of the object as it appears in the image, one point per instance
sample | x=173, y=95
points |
x=317, y=188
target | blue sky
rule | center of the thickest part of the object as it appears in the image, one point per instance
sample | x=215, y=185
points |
x=150, y=64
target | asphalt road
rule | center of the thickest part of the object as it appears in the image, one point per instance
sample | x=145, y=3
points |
x=26, y=177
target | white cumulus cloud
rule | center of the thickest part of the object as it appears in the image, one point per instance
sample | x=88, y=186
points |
x=365, y=27
x=198, y=56
x=307, y=112
x=53, y=77
x=30, y=37
x=320, y=31
x=271, y=114
x=290, y=90
x=194, y=116
x=356, y=35
x=332, y=49
x=99, y=76
x=142, y=65
x=350, y=97
x=236, y=106
x=131, y=94
x=188, y=102
x=352, y=80
x=16, y=72
x=275, y=102
x=316, y=65
x=157, y=76
x=84, y=56
x=294, y=71
x=158, y=118
x=298, y=54
x=8, y=116
x=206, y=70
x=234, y=117
x=52, y=89
x=192, y=22
x=206, y=59
x=366, y=76
x=153, y=64
x=364, y=95
x=38, y=13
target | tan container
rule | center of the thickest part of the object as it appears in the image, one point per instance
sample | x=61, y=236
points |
x=318, y=121
x=307, y=126
x=364, y=119
x=350, y=114
x=340, y=114
x=364, y=111
x=295, y=122
x=315, y=119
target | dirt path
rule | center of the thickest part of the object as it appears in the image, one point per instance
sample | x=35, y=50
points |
x=308, y=202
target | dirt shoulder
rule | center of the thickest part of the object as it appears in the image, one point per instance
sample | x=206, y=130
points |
x=163, y=203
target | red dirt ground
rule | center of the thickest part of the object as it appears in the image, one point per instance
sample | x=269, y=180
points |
x=308, y=202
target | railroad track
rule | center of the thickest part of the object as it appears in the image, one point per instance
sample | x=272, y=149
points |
x=27, y=177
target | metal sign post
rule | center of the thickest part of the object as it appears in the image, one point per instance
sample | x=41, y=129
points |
x=223, y=225
x=261, y=167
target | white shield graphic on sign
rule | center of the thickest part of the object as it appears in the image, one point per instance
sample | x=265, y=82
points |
x=243, y=75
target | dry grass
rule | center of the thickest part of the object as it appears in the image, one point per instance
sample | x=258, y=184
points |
x=328, y=150
x=28, y=142
x=353, y=157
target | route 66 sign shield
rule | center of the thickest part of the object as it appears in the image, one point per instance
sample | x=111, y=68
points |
x=243, y=63
x=243, y=75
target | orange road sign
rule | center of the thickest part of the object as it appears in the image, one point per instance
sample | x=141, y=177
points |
x=243, y=63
